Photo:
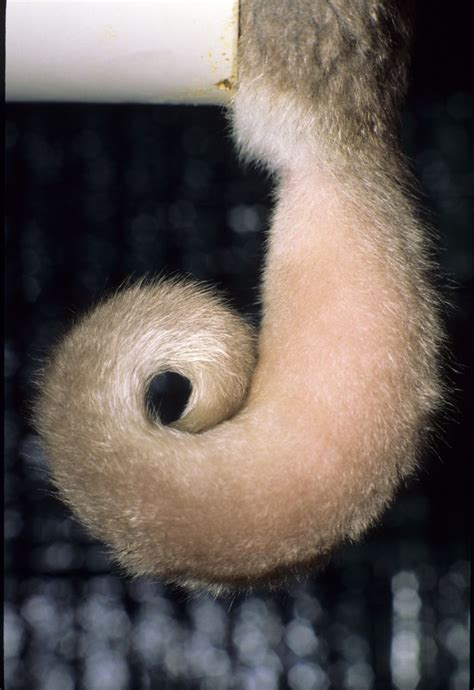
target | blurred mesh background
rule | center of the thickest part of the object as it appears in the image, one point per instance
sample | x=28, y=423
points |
x=99, y=193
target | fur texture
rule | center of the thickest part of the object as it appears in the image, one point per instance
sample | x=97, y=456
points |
x=306, y=449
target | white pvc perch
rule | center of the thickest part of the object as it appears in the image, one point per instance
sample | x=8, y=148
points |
x=161, y=51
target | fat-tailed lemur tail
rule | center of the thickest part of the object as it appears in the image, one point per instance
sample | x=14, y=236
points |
x=292, y=444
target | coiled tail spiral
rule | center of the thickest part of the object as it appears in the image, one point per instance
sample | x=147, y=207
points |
x=290, y=447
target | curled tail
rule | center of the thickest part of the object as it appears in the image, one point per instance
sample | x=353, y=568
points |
x=289, y=447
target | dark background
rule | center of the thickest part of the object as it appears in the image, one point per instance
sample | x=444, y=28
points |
x=98, y=193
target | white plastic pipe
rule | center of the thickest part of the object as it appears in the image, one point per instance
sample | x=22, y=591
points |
x=160, y=51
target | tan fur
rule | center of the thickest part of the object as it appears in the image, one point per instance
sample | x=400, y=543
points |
x=346, y=378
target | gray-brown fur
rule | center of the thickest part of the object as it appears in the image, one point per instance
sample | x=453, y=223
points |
x=344, y=63
x=346, y=379
x=354, y=55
